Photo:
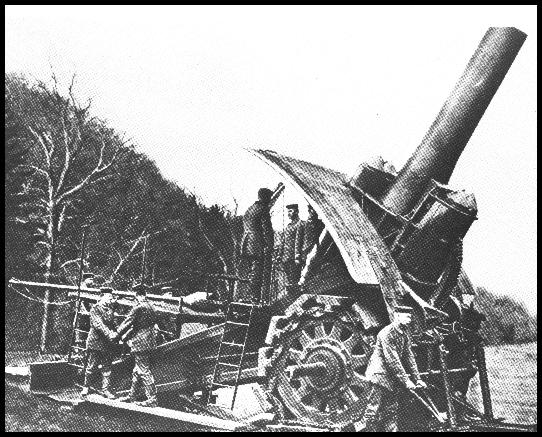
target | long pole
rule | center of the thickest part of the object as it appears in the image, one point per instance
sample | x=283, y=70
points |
x=484, y=381
x=442, y=352
x=79, y=281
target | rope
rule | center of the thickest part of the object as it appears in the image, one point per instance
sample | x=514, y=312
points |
x=37, y=299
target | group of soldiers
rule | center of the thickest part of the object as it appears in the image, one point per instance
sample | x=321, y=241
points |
x=138, y=330
x=257, y=246
x=391, y=368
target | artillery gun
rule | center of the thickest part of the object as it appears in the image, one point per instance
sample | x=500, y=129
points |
x=390, y=238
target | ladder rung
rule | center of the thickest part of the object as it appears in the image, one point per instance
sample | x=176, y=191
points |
x=80, y=348
x=232, y=344
x=228, y=364
x=237, y=323
x=81, y=330
x=77, y=365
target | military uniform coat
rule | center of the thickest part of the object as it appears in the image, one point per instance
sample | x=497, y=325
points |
x=139, y=326
x=258, y=231
x=289, y=238
x=307, y=236
x=102, y=326
x=391, y=356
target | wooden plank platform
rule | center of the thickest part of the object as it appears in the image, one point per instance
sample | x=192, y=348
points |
x=94, y=401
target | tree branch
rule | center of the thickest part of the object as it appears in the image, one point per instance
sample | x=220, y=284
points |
x=100, y=168
x=66, y=158
x=123, y=259
x=36, y=170
x=44, y=147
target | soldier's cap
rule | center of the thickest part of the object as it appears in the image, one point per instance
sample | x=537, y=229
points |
x=293, y=206
x=105, y=290
x=265, y=194
x=140, y=289
x=88, y=276
x=403, y=309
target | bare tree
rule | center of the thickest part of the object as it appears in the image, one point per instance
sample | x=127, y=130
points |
x=69, y=152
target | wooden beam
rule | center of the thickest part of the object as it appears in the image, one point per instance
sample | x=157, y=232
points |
x=162, y=413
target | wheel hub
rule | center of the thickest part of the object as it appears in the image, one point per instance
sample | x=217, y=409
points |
x=337, y=365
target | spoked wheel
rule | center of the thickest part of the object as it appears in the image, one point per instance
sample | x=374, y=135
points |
x=318, y=374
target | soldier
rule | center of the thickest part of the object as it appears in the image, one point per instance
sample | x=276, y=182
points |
x=100, y=342
x=287, y=254
x=138, y=329
x=258, y=239
x=308, y=236
x=386, y=371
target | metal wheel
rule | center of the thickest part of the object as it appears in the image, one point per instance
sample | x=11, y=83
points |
x=318, y=374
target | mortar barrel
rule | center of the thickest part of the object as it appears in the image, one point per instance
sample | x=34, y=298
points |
x=440, y=149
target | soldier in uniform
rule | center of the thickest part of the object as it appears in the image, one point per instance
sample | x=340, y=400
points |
x=138, y=329
x=308, y=236
x=287, y=254
x=386, y=372
x=258, y=240
x=101, y=341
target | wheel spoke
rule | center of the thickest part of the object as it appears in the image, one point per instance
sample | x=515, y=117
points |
x=359, y=361
x=336, y=332
x=303, y=390
x=304, y=339
x=319, y=331
x=351, y=342
x=349, y=396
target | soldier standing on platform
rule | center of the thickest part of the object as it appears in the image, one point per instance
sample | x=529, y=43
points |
x=386, y=371
x=100, y=342
x=258, y=240
x=308, y=236
x=287, y=254
x=138, y=329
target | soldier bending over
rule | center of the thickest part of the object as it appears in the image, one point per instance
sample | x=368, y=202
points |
x=386, y=371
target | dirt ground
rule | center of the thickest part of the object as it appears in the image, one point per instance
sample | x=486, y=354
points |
x=512, y=373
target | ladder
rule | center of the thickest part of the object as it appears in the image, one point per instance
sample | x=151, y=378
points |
x=77, y=351
x=231, y=353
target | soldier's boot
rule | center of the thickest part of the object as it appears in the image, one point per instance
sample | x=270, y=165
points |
x=106, y=386
x=150, y=391
x=86, y=383
x=134, y=388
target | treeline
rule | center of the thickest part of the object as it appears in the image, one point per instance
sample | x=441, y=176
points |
x=66, y=169
x=508, y=321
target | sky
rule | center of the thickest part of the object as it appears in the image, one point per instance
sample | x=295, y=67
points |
x=195, y=86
